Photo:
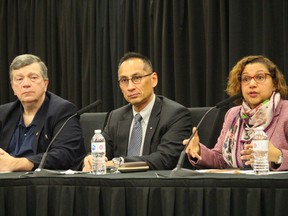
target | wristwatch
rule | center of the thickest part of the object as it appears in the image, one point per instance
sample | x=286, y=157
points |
x=119, y=160
x=280, y=159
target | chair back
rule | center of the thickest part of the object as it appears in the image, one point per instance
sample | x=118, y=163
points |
x=90, y=122
x=211, y=126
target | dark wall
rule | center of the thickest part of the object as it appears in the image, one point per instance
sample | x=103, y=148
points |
x=192, y=43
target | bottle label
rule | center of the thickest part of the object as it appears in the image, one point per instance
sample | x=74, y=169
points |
x=260, y=145
x=98, y=147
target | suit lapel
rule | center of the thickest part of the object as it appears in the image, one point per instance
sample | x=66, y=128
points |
x=9, y=129
x=41, y=119
x=123, y=132
x=152, y=125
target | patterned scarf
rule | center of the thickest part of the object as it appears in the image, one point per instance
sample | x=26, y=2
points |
x=248, y=119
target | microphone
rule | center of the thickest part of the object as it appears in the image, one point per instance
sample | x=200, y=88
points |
x=40, y=171
x=89, y=107
x=178, y=171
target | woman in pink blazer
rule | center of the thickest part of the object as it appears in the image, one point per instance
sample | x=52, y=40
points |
x=263, y=103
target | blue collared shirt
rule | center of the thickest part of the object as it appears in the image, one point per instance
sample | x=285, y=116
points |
x=22, y=139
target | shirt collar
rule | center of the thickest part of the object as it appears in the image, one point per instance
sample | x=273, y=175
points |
x=146, y=112
x=34, y=121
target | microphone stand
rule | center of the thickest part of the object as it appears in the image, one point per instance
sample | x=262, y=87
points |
x=178, y=171
x=40, y=171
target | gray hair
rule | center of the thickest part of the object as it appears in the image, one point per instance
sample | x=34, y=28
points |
x=27, y=59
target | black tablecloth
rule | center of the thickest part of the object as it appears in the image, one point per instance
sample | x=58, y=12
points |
x=143, y=193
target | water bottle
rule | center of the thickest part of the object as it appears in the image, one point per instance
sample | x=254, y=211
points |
x=260, y=149
x=98, y=151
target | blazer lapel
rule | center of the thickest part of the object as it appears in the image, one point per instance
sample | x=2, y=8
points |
x=123, y=132
x=41, y=119
x=9, y=128
x=271, y=128
x=152, y=125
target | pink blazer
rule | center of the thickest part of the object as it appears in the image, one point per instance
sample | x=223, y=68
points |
x=277, y=134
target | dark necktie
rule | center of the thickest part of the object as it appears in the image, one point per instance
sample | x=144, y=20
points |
x=136, y=137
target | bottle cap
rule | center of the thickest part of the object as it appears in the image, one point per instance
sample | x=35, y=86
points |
x=98, y=131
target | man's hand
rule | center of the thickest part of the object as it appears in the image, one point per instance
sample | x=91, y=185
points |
x=88, y=163
x=9, y=163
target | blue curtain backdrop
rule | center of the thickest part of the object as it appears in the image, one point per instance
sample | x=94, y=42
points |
x=192, y=43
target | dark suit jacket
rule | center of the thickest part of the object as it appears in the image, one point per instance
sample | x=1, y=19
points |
x=67, y=151
x=168, y=125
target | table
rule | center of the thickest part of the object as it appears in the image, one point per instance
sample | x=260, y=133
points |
x=143, y=193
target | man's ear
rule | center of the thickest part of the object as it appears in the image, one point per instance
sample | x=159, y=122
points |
x=155, y=79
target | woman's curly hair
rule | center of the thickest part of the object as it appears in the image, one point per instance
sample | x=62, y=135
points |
x=234, y=84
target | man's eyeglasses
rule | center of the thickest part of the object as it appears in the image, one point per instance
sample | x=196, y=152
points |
x=259, y=78
x=124, y=81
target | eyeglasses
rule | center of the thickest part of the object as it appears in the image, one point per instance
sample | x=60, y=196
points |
x=259, y=78
x=124, y=81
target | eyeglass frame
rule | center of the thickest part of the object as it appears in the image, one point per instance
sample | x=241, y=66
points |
x=133, y=78
x=253, y=77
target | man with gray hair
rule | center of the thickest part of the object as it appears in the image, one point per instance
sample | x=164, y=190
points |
x=30, y=122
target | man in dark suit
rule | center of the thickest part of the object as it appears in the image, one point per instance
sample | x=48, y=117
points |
x=29, y=123
x=164, y=123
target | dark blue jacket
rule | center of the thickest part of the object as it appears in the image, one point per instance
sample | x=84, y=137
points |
x=67, y=150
